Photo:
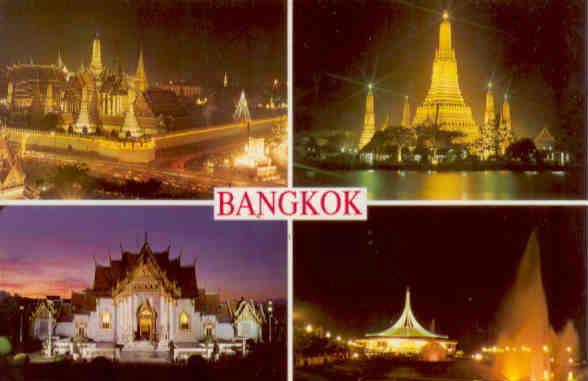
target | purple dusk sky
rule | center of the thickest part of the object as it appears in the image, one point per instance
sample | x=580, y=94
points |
x=48, y=250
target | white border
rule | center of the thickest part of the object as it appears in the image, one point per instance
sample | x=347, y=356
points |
x=290, y=233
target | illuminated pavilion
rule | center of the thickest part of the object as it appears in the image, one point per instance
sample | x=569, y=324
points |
x=444, y=105
x=408, y=338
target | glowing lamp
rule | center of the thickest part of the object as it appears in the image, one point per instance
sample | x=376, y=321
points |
x=445, y=15
x=370, y=86
x=338, y=338
x=308, y=328
x=328, y=335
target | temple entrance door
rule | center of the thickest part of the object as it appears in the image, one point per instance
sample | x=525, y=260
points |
x=146, y=322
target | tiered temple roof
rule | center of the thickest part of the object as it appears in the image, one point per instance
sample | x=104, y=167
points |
x=106, y=277
x=29, y=72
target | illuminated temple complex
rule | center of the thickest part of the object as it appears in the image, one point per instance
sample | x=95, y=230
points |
x=408, y=338
x=444, y=104
x=142, y=302
x=95, y=99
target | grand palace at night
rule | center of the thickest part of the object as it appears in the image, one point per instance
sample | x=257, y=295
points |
x=141, y=303
x=95, y=99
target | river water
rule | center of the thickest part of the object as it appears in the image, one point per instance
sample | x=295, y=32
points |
x=450, y=185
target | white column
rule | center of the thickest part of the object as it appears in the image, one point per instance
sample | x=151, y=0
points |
x=160, y=316
x=172, y=319
x=126, y=317
x=115, y=323
x=133, y=310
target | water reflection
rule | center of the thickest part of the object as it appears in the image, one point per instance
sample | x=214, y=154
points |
x=458, y=185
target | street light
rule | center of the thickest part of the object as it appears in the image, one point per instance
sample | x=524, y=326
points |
x=21, y=308
x=270, y=310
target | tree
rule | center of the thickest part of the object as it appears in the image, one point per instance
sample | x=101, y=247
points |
x=71, y=181
x=434, y=137
x=523, y=150
x=400, y=137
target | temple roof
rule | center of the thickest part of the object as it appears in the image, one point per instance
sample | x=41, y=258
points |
x=114, y=83
x=106, y=277
x=29, y=72
x=544, y=137
x=159, y=102
x=406, y=326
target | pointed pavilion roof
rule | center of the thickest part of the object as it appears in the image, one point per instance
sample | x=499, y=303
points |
x=407, y=325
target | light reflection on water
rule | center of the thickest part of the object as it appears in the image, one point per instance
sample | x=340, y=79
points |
x=458, y=185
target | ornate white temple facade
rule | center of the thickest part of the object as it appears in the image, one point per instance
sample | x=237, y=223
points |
x=141, y=303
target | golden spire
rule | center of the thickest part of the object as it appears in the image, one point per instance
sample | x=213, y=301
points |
x=369, y=122
x=96, y=63
x=489, y=127
x=60, y=63
x=405, y=122
x=445, y=35
x=140, y=76
x=444, y=103
x=505, y=135
x=489, y=115
x=83, y=124
x=131, y=128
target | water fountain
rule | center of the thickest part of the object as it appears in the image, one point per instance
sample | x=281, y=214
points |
x=528, y=348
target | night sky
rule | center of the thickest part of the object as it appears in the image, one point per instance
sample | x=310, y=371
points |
x=49, y=250
x=190, y=40
x=458, y=262
x=533, y=49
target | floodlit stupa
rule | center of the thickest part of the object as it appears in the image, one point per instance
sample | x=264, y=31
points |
x=369, y=122
x=444, y=105
x=505, y=135
x=408, y=338
x=131, y=128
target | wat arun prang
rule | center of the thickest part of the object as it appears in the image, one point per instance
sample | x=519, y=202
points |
x=445, y=107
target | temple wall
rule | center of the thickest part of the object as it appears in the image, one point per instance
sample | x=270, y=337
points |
x=181, y=138
x=133, y=152
x=122, y=151
x=249, y=329
x=95, y=330
x=64, y=329
x=195, y=331
x=225, y=331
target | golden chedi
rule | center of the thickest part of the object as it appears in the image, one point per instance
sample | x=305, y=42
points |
x=444, y=104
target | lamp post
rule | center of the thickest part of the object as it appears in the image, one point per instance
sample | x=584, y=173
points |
x=21, y=309
x=270, y=310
